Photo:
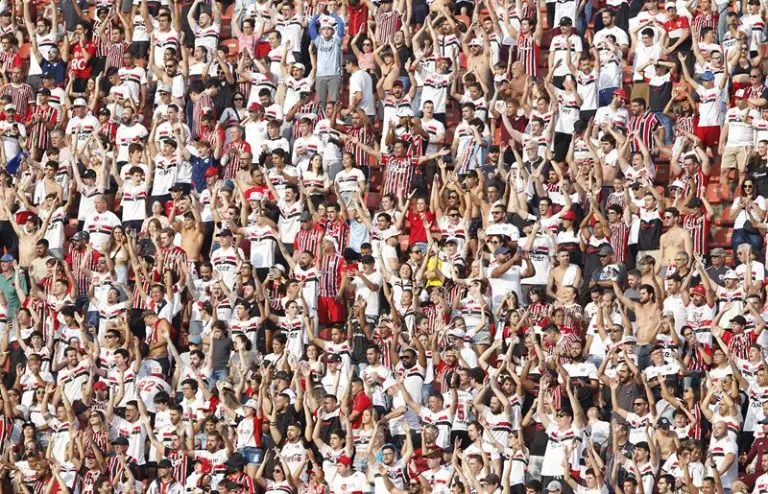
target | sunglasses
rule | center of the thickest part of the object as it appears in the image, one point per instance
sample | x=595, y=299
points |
x=454, y=215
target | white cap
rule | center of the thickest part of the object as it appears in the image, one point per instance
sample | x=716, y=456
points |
x=255, y=195
x=299, y=65
x=80, y=102
x=252, y=404
x=670, y=5
x=476, y=42
x=405, y=111
x=10, y=106
x=458, y=333
x=678, y=183
x=731, y=275
x=391, y=232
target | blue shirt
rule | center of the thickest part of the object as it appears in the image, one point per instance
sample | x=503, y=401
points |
x=199, y=167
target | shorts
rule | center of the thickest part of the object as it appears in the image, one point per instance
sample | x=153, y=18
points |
x=140, y=49
x=710, y=136
x=733, y=157
x=475, y=224
x=482, y=337
x=330, y=311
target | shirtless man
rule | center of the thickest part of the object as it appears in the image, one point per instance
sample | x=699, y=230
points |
x=158, y=332
x=666, y=438
x=675, y=240
x=8, y=237
x=478, y=60
x=28, y=235
x=647, y=313
x=192, y=231
x=564, y=275
x=48, y=185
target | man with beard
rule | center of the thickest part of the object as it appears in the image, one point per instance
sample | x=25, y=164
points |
x=699, y=303
x=128, y=132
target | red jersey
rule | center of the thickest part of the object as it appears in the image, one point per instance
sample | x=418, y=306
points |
x=78, y=65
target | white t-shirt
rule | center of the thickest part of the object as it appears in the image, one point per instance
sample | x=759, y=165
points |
x=360, y=82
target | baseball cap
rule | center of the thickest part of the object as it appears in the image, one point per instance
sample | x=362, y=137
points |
x=80, y=102
x=730, y=275
x=741, y=94
x=10, y=106
x=717, y=252
x=99, y=386
x=476, y=42
x=120, y=441
x=252, y=404
x=44, y=92
x=456, y=333
x=212, y=172
x=405, y=112
x=255, y=106
x=605, y=250
x=195, y=339
x=566, y=21
x=81, y=235
x=698, y=290
x=500, y=251
x=6, y=258
x=344, y=460
x=569, y=215
x=554, y=486
x=670, y=5
x=164, y=463
x=741, y=320
x=226, y=232
x=707, y=76
x=623, y=94
x=333, y=357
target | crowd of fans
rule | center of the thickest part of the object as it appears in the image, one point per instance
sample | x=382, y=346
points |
x=352, y=246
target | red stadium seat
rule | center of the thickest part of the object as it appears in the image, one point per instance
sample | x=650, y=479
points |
x=25, y=50
x=724, y=218
x=722, y=238
x=712, y=194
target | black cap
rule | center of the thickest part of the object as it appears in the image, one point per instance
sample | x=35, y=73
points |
x=120, y=441
x=44, y=92
x=739, y=320
x=566, y=21
x=104, y=111
x=226, y=232
x=165, y=463
x=89, y=174
x=333, y=357
x=664, y=423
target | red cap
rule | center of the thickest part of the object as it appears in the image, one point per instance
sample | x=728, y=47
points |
x=699, y=290
x=569, y=215
x=212, y=172
x=99, y=386
x=255, y=106
x=345, y=460
x=620, y=92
